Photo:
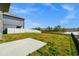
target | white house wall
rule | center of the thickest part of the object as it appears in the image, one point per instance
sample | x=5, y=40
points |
x=12, y=22
x=1, y=24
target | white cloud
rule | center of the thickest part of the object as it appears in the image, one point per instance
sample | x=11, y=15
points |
x=68, y=7
x=31, y=24
x=68, y=18
x=71, y=14
x=25, y=10
x=50, y=5
x=12, y=7
x=17, y=10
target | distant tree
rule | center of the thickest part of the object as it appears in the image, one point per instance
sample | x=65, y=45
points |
x=49, y=28
x=37, y=28
x=78, y=29
x=57, y=28
x=64, y=29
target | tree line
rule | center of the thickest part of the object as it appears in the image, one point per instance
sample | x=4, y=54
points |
x=57, y=28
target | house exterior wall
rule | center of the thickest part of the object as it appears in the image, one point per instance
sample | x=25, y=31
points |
x=12, y=22
x=0, y=7
x=1, y=24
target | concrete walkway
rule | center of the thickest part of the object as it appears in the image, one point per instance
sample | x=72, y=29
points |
x=20, y=47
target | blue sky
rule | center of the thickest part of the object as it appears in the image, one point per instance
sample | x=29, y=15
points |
x=47, y=14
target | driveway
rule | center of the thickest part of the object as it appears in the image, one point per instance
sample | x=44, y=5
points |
x=20, y=47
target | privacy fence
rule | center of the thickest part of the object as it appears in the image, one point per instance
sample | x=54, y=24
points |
x=76, y=42
x=21, y=30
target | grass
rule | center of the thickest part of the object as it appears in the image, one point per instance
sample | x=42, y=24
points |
x=57, y=45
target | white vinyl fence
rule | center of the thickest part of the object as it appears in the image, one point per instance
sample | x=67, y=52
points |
x=75, y=33
x=21, y=30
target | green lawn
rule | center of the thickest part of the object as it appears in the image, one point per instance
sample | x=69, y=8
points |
x=57, y=45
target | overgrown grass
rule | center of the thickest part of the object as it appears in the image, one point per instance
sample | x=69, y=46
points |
x=57, y=45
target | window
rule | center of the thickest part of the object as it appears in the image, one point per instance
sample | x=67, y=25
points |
x=18, y=26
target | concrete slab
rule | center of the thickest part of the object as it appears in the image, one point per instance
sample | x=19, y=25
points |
x=20, y=47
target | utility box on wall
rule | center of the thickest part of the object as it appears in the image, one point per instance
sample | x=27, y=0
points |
x=1, y=24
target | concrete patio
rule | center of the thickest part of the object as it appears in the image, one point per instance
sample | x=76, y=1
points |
x=20, y=47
